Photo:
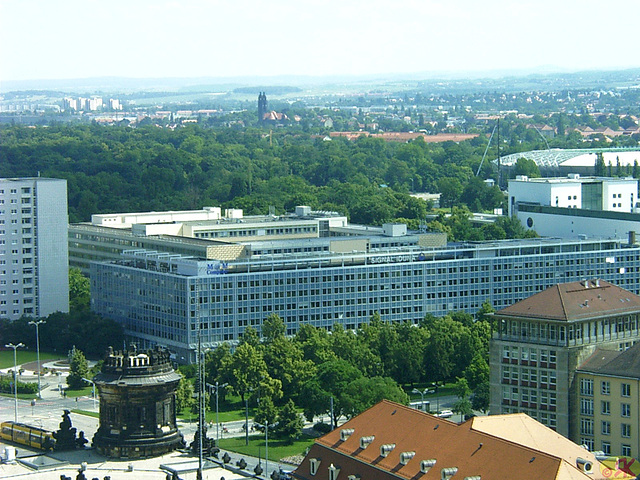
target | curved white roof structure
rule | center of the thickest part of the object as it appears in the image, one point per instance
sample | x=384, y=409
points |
x=583, y=157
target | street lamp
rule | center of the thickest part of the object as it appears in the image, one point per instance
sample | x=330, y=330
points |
x=217, y=387
x=246, y=416
x=15, y=378
x=266, y=427
x=37, y=324
x=93, y=390
x=435, y=386
x=422, y=394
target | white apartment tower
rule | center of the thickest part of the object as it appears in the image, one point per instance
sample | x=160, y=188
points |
x=34, y=257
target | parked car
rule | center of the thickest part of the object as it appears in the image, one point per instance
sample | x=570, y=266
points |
x=445, y=414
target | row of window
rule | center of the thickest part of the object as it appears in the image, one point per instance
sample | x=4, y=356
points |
x=529, y=354
x=605, y=447
x=13, y=191
x=532, y=375
x=586, y=388
x=586, y=407
x=586, y=428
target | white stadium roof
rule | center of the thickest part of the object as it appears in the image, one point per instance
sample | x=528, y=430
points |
x=586, y=157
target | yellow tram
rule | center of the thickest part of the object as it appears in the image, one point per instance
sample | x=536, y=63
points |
x=27, y=435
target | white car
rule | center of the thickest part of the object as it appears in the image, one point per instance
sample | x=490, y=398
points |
x=445, y=414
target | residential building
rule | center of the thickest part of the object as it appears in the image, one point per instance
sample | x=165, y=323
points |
x=161, y=298
x=576, y=205
x=34, y=266
x=610, y=380
x=540, y=342
x=391, y=441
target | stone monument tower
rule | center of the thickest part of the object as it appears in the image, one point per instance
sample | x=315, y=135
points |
x=137, y=404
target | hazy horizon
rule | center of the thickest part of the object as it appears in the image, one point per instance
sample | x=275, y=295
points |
x=214, y=39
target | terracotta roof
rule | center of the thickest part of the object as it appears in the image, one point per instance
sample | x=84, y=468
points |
x=471, y=450
x=575, y=301
x=613, y=362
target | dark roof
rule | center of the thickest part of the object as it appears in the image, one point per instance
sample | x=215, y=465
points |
x=612, y=362
x=575, y=301
x=471, y=451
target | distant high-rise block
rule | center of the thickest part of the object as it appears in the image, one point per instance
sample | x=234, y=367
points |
x=34, y=258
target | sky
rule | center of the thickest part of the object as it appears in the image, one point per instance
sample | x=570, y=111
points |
x=68, y=39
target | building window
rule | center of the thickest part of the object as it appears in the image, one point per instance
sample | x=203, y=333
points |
x=625, y=430
x=586, y=426
x=625, y=409
x=606, y=407
x=626, y=390
x=314, y=463
x=605, y=388
x=333, y=472
x=606, y=448
x=586, y=386
x=626, y=450
x=605, y=428
x=588, y=443
x=586, y=406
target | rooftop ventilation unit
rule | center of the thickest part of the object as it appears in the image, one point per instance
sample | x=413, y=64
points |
x=406, y=456
x=584, y=465
x=366, y=441
x=473, y=477
x=346, y=433
x=425, y=465
x=386, y=449
x=447, y=473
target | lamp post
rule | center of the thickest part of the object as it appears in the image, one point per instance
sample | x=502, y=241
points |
x=93, y=390
x=15, y=377
x=422, y=394
x=435, y=386
x=217, y=387
x=37, y=324
x=266, y=427
x=246, y=416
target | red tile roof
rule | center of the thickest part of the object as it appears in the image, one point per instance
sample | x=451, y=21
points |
x=575, y=301
x=411, y=432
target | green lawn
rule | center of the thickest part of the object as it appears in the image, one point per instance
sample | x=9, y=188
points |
x=230, y=409
x=86, y=412
x=277, y=448
x=25, y=356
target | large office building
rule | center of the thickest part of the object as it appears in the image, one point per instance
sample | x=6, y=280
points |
x=162, y=298
x=34, y=266
x=229, y=235
x=575, y=205
x=540, y=342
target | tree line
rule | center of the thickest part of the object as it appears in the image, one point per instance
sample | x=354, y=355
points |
x=343, y=372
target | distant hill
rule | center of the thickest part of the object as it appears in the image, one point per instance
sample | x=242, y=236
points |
x=271, y=90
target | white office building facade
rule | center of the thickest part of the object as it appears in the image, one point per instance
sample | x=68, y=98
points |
x=34, y=263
